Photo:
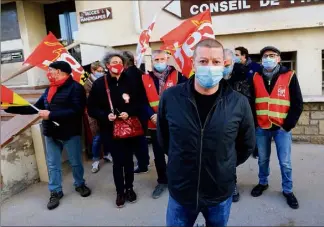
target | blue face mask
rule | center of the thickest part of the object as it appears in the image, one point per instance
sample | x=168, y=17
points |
x=269, y=63
x=227, y=71
x=237, y=59
x=160, y=67
x=209, y=76
x=98, y=74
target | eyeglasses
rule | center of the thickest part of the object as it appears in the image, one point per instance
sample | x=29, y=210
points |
x=269, y=55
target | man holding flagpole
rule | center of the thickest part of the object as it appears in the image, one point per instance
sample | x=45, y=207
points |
x=63, y=102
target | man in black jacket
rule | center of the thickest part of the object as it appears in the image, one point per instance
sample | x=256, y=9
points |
x=63, y=102
x=199, y=125
x=278, y=104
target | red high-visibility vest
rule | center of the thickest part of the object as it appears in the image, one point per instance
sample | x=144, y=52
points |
x=273, y=108
x=152, y=93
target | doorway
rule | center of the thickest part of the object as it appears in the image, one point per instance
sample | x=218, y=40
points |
x=61, y=20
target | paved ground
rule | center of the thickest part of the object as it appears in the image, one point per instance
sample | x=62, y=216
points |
x=29, y=207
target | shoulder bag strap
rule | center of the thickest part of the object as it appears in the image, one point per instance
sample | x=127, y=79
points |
x=108, y=94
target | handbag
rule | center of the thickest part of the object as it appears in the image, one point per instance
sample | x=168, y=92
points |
x=122, y=129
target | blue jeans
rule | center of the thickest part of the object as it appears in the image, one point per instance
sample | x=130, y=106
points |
x=54, y=163
x=283, y=144
x=96, y=147
x=179, y=215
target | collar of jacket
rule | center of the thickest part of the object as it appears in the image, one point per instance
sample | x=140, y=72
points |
x=188, y=89
x=114, y=80
x=68, y=81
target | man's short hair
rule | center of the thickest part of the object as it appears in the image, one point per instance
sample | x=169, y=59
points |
x=156, y=52
x=96, y=65
x=243, y=51
x=129, y=57
x=210, y=43
x=107, y=58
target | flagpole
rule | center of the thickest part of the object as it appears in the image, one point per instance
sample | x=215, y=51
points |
x=35, y=108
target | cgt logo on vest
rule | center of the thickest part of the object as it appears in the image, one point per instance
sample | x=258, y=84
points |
x=281, y=91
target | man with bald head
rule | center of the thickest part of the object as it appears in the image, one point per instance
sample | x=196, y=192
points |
x=162, y=77
x=199, y=124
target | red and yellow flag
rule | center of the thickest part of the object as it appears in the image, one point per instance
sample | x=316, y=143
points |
x=50, y=50
x=10, y=98
x=181, y=41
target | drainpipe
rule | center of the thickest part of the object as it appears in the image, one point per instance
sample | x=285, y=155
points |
x=137, y=17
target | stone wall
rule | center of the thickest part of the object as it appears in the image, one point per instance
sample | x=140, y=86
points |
x=18, y=165
x=310, y=126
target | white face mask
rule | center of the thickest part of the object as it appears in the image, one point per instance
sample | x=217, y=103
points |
x=209, y=76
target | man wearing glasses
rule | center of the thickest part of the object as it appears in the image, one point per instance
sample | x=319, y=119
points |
x=277, y=106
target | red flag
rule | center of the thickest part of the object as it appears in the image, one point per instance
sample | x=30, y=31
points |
x=181, y=41
x=143, y=43
x=50, y=50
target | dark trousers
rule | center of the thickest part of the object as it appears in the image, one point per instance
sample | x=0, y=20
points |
x=142, y=153
x=123, y=166
x=159, y=159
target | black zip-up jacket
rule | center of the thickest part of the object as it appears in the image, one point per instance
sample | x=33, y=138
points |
x=296, y=99
x=203, y=158
x=98, y=105
x=66, y=108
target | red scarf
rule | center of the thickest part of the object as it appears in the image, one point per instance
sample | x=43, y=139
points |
x=54, y=85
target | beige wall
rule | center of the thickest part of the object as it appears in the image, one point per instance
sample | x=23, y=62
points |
x=10, y=68
x=32, y=29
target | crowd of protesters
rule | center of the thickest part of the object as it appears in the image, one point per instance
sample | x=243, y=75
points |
x=205, y=125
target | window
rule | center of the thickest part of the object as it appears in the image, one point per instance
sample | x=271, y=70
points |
x=9, y=22
x=288, y=59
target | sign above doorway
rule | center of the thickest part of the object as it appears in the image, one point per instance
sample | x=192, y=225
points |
x=95, y=15
x=184, y=9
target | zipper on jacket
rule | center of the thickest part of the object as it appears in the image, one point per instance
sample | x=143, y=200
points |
x=202, y=127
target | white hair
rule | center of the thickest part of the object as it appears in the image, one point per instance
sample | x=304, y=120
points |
x=156, y=52
x=229, y=53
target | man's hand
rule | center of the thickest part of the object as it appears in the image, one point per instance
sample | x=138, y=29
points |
x=44, y=114
x=123, y=115
x=154, y=118
x=111, y=117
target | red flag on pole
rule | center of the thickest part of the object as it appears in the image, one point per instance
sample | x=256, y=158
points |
x=181, y=41
x=143, y=43
x=50, y=50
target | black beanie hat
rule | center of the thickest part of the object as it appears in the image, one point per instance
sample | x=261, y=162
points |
x=61, y=65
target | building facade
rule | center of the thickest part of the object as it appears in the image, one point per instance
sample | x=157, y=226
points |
x=296, y=27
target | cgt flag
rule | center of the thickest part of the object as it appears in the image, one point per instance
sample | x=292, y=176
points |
x=50, y=50
x=181, y=41
x=10, y=98
x=143, y=43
